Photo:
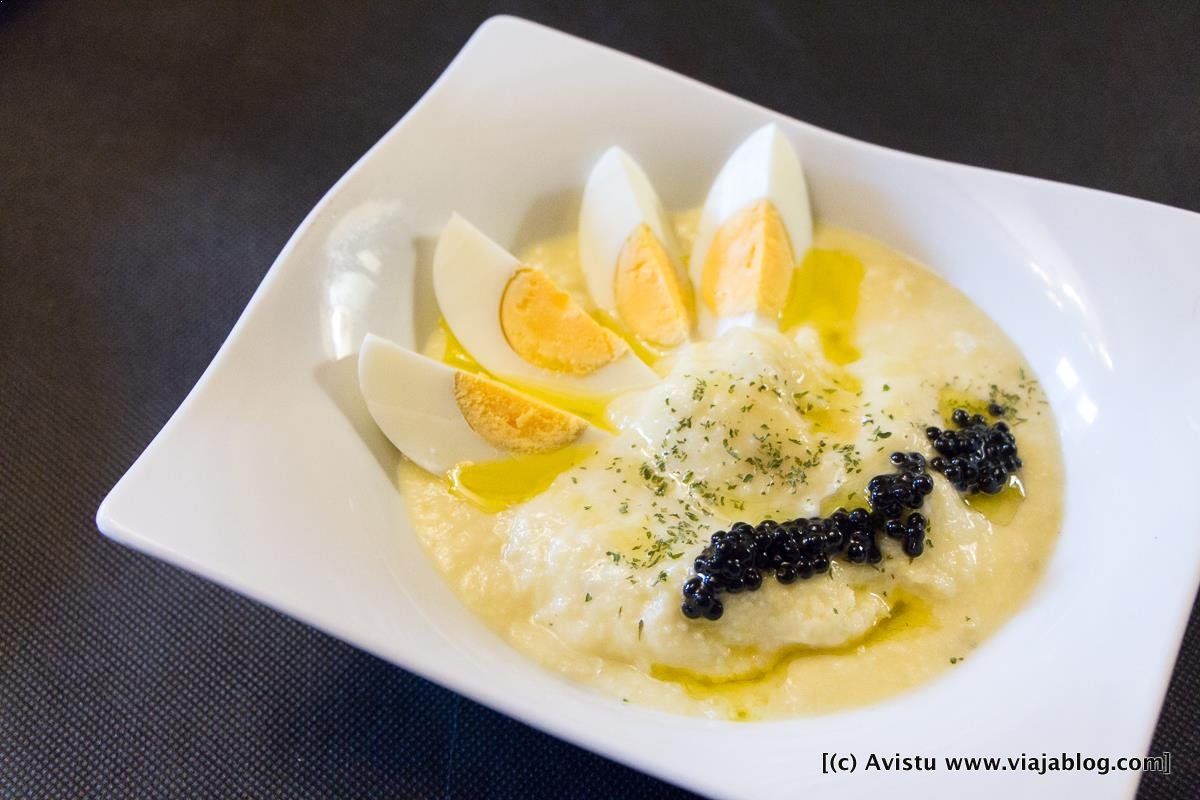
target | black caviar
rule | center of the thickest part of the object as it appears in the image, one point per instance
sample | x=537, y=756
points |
x=910, y=531
x=736, y=560
x=892, y=494
x=977, y=457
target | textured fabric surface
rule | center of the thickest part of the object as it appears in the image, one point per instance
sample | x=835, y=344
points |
x=154, y=158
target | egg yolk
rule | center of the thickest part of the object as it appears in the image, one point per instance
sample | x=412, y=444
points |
x=547, y=328
x=749, y=264
x=650, y=300
x=511, y=421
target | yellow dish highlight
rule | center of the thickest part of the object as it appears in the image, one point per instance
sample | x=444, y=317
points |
x=824, y=293
x=496, y=485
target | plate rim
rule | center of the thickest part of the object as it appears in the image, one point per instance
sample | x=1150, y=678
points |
x=107, y=516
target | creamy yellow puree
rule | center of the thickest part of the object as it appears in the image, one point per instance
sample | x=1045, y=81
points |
x=578, y=560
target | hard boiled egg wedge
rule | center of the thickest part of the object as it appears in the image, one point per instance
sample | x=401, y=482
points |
x=628, y=253
x=523, y=328
x=754, y=228
x=441, y=417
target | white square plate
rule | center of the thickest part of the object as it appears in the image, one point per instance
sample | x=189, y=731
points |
x=272, y=480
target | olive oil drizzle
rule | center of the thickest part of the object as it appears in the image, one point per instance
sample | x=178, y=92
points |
x=496, y=485
x=493, y=486
x=824, y=293
x=594, y=409
x=746, y=692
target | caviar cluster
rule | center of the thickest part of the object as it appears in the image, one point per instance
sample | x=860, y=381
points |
x=736, y=560
x=892, y=494
x=977, y=457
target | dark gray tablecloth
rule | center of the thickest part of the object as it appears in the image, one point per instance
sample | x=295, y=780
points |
x=154, y=158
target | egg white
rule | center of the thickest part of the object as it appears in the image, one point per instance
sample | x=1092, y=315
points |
x=617, y=198
x=764, y=166
x=411, y=398
x=470, y=275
